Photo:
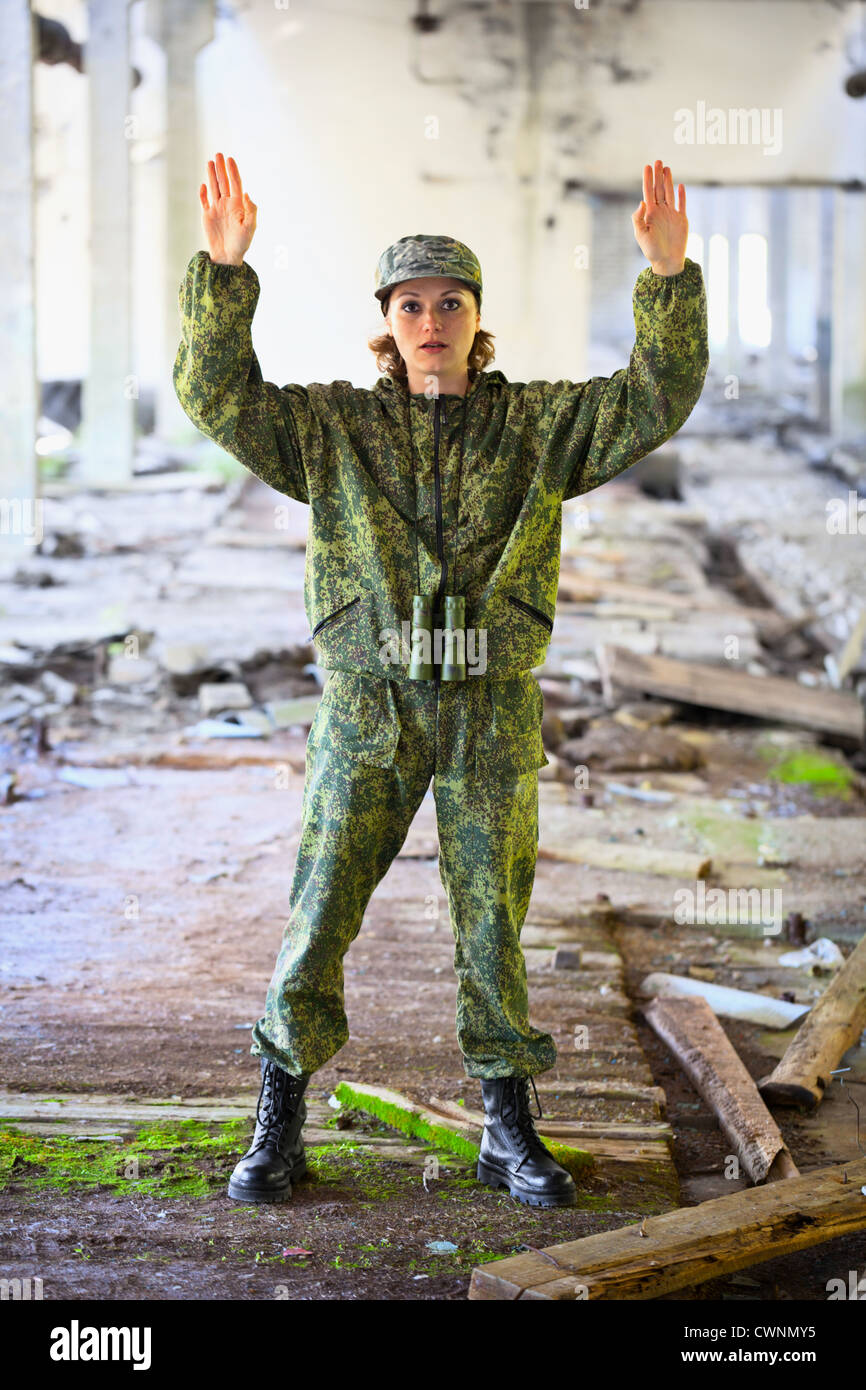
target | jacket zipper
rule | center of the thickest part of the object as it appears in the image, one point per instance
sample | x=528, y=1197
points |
x=331, y=616
x=440, y=544
x=533, y=612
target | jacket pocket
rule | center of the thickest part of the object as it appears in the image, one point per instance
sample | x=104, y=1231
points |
x=359, y=718
x=508, y=741
x=323, y=622
x=535, y=613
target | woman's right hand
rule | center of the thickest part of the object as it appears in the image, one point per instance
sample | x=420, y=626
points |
x=229, y=218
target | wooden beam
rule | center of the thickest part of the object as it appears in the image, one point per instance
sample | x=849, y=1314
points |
x=637, y=859
x=691, y=1031
x=568, y=1130
x=719, y=687
x=833, y=1024
x=689, y=1246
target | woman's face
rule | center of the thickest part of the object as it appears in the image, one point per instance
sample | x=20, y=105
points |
x=432, y=309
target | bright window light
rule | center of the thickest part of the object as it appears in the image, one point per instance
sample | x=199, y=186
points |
x=717, y=289
x=753, y=312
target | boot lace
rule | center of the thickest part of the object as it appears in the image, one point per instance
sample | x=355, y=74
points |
x=521, y=1124
x=277, y=1088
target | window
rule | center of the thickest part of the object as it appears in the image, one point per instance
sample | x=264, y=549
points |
x=753, y=313
x=718, y=281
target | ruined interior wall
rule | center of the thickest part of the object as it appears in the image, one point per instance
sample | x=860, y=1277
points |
x=351, y=131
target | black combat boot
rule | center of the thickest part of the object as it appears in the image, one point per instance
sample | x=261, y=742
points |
x=276, y=1155
x=512, y=1155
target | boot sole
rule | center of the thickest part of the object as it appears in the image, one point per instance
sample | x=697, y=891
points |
x=492, y=1177
x=271, y=1195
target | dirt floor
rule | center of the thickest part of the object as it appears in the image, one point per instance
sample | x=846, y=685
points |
x=159, y=1004
x=366, y=1224
x=140, y=924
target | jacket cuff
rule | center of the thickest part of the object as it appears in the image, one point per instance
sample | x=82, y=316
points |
x=233, y=290
x=691, y=274
x=221, y=267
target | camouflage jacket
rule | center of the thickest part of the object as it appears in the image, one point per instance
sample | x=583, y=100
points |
x=485, y=474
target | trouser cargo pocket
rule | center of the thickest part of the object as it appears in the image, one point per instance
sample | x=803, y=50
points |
x=508, y=740
x=358, y=717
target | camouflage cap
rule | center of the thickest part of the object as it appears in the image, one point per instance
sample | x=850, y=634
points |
x=419, y=256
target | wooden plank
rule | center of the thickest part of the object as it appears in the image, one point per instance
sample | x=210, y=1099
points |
x=569, y=1130
x=92, y=1116
x=629, y=1151
x=608, y=854
x=107, y=1109
x=719, y=687
x=393, y=1147
x=688, y=1246
x=691, y=1031
x=833, y=1024
x=605, y=1090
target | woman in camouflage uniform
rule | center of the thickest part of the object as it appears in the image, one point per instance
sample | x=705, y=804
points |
x=443, y=484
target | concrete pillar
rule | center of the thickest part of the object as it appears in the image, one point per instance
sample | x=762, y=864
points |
x=777, y=289
x=732, y=228
x=803, y=274
x=853, y=296
x=109, y=389
x=831, y=312
x=19, y=506
x=182, y=28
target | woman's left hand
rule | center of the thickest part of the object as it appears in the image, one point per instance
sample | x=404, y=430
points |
x=661, y=229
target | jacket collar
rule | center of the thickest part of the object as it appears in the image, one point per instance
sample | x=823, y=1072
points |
x=395, y=389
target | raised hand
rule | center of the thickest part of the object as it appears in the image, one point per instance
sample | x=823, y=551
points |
x=661, y=229
x=229, y=219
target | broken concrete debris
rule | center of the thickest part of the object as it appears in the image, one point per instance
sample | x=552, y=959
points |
x=637, y=595
x=184, y=658
x=822, y=955
x=214, y=696
x=222, y=728
x=609, y=746
x=129, y=670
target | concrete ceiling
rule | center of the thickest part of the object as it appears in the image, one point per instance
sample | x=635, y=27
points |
x=581, y=95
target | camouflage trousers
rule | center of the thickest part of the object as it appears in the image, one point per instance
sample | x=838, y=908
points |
x=373, y=747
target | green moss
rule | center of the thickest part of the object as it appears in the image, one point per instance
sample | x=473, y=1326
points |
x=824, y=775
x=408, y=1122
x=333, y=1163
x=726, y=836
x=176, y=1159
x=576, y=1161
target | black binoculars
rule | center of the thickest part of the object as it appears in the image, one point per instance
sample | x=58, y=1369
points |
x=453, y=631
